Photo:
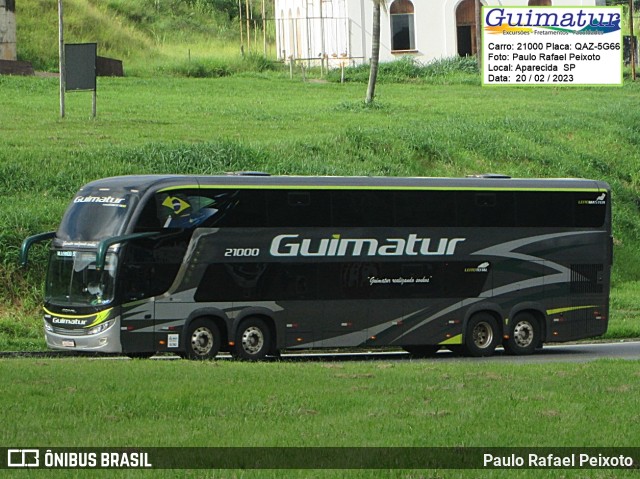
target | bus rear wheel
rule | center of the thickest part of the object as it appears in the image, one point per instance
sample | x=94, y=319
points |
x=203, y=340
x=482, y=335
x=524, y=335
x=253, y=340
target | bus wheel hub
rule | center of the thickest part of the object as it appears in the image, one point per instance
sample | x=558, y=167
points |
x=201, y=340
x=523, y=334
x=252, y=340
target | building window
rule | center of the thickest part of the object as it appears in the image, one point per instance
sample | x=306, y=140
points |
x=402, y=31
x=539, y=3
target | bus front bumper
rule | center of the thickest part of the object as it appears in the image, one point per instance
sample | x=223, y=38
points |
x=107, y=341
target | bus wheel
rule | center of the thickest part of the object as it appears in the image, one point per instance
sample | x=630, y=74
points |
x=481, y=336
x=203, y=340
x=422, y=351
x=525, y=335
x=253, y=340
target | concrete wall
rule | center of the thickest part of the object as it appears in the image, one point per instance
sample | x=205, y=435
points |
x=8, y=30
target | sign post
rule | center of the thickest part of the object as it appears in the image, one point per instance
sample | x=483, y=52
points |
x=633, y=42
x=61, y=57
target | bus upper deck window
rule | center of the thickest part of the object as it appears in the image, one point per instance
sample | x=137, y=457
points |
x=176, y=210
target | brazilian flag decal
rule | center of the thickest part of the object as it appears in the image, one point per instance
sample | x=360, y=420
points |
x=176, y=204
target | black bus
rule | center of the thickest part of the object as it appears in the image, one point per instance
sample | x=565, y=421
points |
x=254, y=265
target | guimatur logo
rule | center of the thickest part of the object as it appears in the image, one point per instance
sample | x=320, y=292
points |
x=412, y=245
x=496, y=17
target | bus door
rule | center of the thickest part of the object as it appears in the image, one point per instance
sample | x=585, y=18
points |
x=148, y=271
x=137, y=326
x=295, y=288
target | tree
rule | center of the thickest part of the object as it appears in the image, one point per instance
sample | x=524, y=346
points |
x=375, y=51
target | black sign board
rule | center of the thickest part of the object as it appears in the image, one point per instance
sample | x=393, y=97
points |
x=80, y=63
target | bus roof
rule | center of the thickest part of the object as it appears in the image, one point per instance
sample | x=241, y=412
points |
x=144, y=183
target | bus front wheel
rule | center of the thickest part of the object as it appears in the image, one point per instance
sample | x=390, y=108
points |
x=203, y=340
x=482, y=335
x=253, y=340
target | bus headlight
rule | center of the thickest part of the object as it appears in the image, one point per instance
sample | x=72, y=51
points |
x=101, y=327
x=48, y=327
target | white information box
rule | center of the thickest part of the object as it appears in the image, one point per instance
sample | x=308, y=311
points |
x=551, y=46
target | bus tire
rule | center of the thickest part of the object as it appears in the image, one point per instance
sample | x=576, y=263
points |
x=422, y=351
x=253, y=340
x=203, y=340
x=482, y=335
x=524, y=335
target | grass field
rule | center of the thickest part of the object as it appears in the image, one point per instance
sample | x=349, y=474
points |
x=101, y=403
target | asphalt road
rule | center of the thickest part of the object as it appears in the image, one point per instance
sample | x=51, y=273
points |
x=582, y=352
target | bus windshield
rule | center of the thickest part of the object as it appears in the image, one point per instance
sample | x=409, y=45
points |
x=96, y=215
x=74, y=281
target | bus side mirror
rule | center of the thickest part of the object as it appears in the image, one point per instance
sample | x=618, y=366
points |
x=29, y=242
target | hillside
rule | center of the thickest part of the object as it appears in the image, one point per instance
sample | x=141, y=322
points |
x=140, y=32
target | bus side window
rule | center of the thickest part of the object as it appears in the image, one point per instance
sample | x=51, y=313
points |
x=590, y=209
x=551, y=209
x=425, y=208
x=298, y=208
x=148, y=219
x=494, y=208
x=150, y=266
x=182, y=209
x=362, y=208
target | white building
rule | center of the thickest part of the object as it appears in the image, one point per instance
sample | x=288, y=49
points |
x=424, y=29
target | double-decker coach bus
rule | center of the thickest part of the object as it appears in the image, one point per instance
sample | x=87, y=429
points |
x=255, y=264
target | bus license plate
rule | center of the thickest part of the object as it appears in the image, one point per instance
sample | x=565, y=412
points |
x=69, y=344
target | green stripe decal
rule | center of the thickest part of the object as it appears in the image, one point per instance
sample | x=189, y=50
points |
x=570, y=308
x=78, y=316
x=100, y=317
x=372, y=188
x=454, y=340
